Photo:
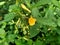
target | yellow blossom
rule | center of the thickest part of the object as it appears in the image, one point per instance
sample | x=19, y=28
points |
x=31, y=21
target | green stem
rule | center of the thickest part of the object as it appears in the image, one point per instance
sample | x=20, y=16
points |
x=17, y=1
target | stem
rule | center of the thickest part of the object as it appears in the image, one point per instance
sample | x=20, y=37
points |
x=17, y=1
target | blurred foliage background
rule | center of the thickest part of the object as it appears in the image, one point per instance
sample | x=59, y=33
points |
x=16, y=28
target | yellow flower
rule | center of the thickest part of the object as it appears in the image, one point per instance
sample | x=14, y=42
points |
x=31, y=21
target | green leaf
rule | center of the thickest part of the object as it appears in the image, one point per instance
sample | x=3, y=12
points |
x=34, y=30
x=6, y=43
x=58, y=31
x=58, y=39
x=19, y=42
x=57, y=11
x=11, y=37
x=2, y=33
x=30, y=42
x=14, y=8
x=9, y=17
x=50, y=12
x=2, y=3
x=38, y=42
x=46, y=21
x=56, y=3
x=35, y=12
x=42, y=2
